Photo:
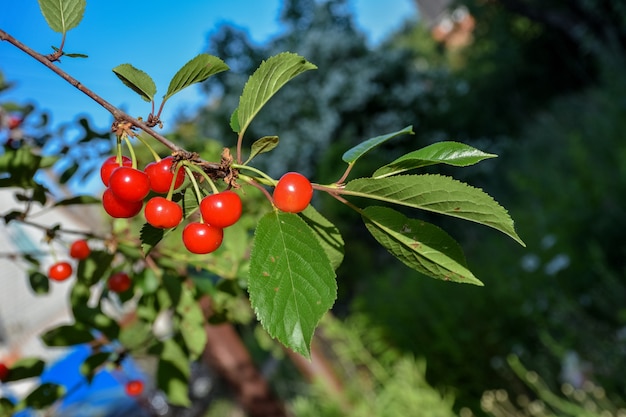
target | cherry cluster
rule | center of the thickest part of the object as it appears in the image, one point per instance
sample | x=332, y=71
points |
x=127, y=187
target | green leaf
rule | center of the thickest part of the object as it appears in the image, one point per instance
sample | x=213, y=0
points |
x=327, y=233
x=93, y=363
x=263, y=145
x=195, y=71
x=439, y=194
x=94, y=268
x=26, y=368
x=39, y=283
x=353, y=154
x=150, y=237
x=44, y=396
x=137, y=80
x=450, y=153
x=270, y=77
x=135, y=335
x=234, y=121
x=67, y=335
x=190, y=202
x=95, y=318
x=173, y=373
x=7, y=407
x=192, y=323
x=419, y=245
x=81, y=199
x=62, y=15
x=292, y=283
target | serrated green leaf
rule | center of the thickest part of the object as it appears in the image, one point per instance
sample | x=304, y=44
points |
x=67, y=335
x=44, y=396
x=137, y=80
x=90, y=366
x=234, y=121
x=173, y=373
x=81, y=199
x=419, y=245
x=450, y=153
x=439, y=194
x=353, y=154
x=150, y=237
x=62, y=15
x=26, y=368
x=327, y=233
x=195, y=71
x=270, y=77
x=263, y=145
x=292, y=283
x=39, y=283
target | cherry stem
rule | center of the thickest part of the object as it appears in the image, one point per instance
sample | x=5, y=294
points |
x=155, y=155
x=170, y=192
x=239, y=144
x=133, y=157
x=205, y=176
x=270, y=181
x=195, y=185
x=254, y=183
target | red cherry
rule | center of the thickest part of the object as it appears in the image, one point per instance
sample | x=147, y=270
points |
x=221, y=209
x=119, y=282
x=134, y=387
x=161, y=175
x=80, y=249
x=60, y=271
x=201, y=238
x=163, y=213
x=109, y=165
x=293, y=193
x=14, y=122
x=129, y=184
x=118, y=208
x=4, y=372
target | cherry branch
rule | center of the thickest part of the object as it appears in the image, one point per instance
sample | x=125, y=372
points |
x=118, y=114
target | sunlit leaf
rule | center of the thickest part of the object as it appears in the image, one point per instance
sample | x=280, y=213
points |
x=137, y=80
x=93, y=363
x=270, y=77
x=173, y=373
x=94, y=268
x=419, y=245
x=353, y=154
x=327, y=233
x=192, y=323
x=439, y=194
x=150, y=237
x=62, y=15
x=265, y=144
x=450, y=153
x=195, y=71
x=25, y=368
x=292, y=284
x=67, y=335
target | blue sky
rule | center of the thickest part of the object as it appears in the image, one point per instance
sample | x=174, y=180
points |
x=143, y=33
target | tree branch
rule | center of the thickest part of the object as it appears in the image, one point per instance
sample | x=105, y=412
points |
x=118, y=114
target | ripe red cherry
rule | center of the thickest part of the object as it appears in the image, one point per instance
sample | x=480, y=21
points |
x=161, y=175
x=60, y=271
x=14, y=122
x=118, y=208
x=109, y=165
x=80, y=249
x=119, y=282
x=134, y=387
x=293, y=193
x=221, y=209
x=129, y=184
x=163, y=213
x=4, y=372
x=201, y=238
